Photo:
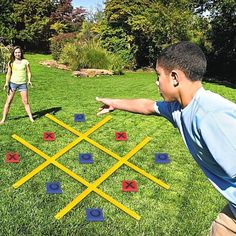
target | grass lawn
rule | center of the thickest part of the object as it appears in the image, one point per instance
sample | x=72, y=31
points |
x=187, y=208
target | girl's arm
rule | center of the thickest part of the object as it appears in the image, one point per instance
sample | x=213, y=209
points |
x=8, y=76
x=29, y=75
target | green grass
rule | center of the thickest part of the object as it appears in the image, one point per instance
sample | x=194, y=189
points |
x=187, y=208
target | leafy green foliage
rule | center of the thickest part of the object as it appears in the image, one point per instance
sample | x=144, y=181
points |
x=71, y=53
x=69, y=17
x=223, y=57
x=7, y=32
x=117, y=41
x=32, y=22
x=148, y=26
x=90, y=55
x=4, y=57
x=58, y=42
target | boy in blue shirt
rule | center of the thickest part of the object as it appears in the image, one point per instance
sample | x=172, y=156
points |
x=206, y=121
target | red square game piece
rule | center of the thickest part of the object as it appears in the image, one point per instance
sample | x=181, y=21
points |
x=48, y=136
x=12, y=157
x=121, y=136
x=129, y=186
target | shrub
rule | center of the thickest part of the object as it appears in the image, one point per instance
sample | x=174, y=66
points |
x=70, y=55
x=116, y=64
x=90, y=55
x=96, y=57
x=4, y=57
x=58, y=42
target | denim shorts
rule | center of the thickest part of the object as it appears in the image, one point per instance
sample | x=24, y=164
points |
x=19, y=87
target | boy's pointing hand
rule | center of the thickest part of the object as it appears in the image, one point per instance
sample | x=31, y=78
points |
x=106, y=107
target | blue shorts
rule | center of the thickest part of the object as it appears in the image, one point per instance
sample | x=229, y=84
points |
x=19, y=87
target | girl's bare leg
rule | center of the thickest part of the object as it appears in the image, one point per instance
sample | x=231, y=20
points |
x=24, y=97
x=7, y=106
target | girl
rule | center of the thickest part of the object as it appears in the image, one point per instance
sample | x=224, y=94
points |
x=18, y=73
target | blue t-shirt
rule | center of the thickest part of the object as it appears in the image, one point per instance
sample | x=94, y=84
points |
x=208, y=127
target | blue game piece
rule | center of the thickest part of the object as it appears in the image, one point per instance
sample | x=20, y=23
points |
x=162, y=158
x=85, y=158
x=53, y=187
x=79, y=117
x=94, y=214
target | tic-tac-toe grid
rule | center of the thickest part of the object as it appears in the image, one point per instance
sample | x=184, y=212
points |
x=95, y=184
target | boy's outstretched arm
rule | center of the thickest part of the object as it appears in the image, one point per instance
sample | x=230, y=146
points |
x=142, y=106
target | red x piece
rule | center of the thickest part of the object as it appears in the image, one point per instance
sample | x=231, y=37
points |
x=48, y=136
x=12, y=157
x=129, y=186
x=121, y=136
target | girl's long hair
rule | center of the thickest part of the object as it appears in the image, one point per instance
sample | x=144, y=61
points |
x=12, y=57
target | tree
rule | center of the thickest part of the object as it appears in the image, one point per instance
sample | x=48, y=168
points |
x=223, y=21
x=65, y=18
x=31, y=23
x=176, y=21
x=7, y=30
x=31, y=19
x=127, y=28
x=148, y=26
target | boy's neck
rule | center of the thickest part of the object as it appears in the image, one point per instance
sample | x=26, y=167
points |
x=187, y=92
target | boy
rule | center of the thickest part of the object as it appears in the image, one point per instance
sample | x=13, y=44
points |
x=206, y=121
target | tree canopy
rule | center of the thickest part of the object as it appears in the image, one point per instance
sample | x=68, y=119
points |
x=29, y=22
x=145, y=27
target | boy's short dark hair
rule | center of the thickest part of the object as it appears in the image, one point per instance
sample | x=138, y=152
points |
x=184, y=56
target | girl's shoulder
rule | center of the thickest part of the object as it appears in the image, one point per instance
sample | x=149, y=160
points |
x=25, y=61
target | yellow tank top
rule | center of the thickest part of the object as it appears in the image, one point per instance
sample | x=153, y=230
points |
x=19, y=75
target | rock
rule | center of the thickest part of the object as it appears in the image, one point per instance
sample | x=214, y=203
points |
x=52, y=63
x=80, y=74
x=96, y=72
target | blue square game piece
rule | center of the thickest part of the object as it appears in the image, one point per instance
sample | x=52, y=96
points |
x=53, y=187
x=94, y=214
x=162, y=158
x=85, y=158
x=79, y=117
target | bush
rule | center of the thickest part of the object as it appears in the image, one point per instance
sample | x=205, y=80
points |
x=70, y=54
x=4, y=57
x=90, y=55
x=117, y=64
x=58, y=42
x=96, y=57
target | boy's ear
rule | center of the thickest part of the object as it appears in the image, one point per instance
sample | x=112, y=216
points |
x=175, y=78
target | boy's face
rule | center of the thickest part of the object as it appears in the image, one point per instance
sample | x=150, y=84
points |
x=165, y=84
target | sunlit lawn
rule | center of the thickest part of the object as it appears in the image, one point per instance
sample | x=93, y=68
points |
x=187, y=208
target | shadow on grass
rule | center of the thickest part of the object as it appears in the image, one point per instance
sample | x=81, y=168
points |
x=39, y=114
x=220, y=82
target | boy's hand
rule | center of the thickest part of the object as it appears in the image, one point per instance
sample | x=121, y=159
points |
x=106, y=107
